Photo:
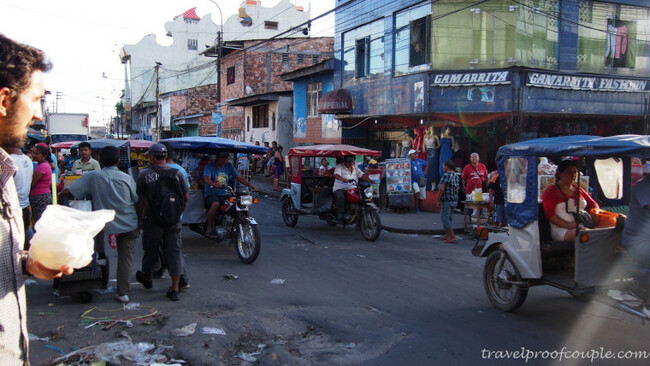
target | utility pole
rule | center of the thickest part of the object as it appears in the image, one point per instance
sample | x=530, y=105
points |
x=157, y=101
x=219, y=53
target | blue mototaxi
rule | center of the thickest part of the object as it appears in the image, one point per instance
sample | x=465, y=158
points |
x=524, y=255
x=237, y=223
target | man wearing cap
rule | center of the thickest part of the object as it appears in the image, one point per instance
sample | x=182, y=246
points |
x=346, y=176
x=417, y=173
x=86, y=163
x=153, y=233
x=216, y=177
x=637, y=226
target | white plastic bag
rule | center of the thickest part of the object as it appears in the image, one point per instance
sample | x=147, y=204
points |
x=64, y=236
x=83, y=205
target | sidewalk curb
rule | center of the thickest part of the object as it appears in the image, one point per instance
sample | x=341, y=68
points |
x=419, y=231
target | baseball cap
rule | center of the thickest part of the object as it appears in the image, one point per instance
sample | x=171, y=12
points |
x=412, y=152
x=157, y=150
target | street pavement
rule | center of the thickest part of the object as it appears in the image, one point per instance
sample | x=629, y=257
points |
x=321, y=295
x=405, y=222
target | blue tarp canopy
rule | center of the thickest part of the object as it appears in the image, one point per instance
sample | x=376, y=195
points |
x=579, y=145
x=101, y=143
x=520, y=214
x=207, y=144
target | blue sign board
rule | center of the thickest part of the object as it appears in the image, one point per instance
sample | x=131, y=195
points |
x=217, y=118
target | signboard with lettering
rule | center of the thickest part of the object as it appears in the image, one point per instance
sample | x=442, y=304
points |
x=471, y=78
x=580, y=82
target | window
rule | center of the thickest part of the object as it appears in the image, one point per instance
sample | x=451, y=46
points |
x=363, y=51
x=301, y=58
x=270, y=25
x=413, y=39
x=192, y=44
x=315, y=59
x=273, y=122
x=285, y=57
x=516, y=179
x=261, y=116
x=230, y=75
x=610, y=177
x=314, y=91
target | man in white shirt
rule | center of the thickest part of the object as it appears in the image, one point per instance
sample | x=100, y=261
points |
x=346, y=176
x=23, y=180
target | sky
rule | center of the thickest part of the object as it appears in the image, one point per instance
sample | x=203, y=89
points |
x=82, y=38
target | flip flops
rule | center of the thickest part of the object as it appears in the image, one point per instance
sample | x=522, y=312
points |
x=449, y=241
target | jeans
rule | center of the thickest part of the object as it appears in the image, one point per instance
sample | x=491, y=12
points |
x=446, y=211
x=339, y=195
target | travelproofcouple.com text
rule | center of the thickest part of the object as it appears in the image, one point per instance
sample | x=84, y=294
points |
x=563, y=354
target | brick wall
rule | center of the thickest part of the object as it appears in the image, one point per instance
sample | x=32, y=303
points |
x=260, y=67
x=313, y=133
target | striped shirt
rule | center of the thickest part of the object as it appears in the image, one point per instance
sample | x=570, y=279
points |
x=14, y=339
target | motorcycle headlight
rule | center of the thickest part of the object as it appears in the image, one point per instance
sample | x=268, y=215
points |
x=246, y=200
x=368, y=192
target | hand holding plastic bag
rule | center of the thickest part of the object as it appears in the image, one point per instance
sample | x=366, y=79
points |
x=64, y=236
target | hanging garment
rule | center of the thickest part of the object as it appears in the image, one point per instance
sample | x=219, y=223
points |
x=610, y=41
x=445, y=153
x=621, y=41
x=432, y=169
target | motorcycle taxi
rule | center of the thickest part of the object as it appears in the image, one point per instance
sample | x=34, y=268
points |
x=523, y=255
x=237, y=225
x=311, y=193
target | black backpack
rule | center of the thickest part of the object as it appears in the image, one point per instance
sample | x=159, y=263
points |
x=166, y=197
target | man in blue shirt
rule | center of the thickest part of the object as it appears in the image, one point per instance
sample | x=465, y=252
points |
x=417, y=173
x=216, y=177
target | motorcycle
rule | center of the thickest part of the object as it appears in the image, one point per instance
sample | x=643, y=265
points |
x=233, y=221
x=311, y=194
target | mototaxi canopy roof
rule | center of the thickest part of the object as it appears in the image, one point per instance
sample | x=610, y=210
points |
x=330, y=150
x=207, y=144
x=64, y=144
x=140, y=144
x=591, y=147
x=101, y=143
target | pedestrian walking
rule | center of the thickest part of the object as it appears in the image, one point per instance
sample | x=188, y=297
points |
x=115, y=190
x=448, y=196
x=163, y=194
x=23, y=180
x=41, y=193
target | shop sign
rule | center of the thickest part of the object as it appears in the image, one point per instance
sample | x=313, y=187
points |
x=472, y=78
x=577, y=82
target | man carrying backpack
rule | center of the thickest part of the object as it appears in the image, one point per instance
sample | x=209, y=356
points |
x=163, y=193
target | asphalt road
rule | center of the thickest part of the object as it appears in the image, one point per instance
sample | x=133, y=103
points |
x=402, y=300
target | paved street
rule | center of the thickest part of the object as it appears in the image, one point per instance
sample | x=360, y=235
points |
x=403, y=300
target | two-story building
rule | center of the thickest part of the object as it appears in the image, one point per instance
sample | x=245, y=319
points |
x=494, y=72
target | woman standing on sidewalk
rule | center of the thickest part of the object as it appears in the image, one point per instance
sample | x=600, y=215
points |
x=448, y=197
x=278, y=167
x=40, y=195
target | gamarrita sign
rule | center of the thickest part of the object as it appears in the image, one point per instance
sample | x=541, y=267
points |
x=578, y=82
x=472, y=78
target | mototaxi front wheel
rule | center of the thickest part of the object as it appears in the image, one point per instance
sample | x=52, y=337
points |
x=370, y=225
x=290, y=219
x=248, y=242
x=498, y=278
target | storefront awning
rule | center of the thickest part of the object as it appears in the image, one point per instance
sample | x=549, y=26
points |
x=335, y=102
x=471, y=120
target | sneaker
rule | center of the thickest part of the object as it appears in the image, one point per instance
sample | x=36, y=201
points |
x=122, y=298
x=173, y=295
x=183, y=284
x=143, y=279
x=646, y=311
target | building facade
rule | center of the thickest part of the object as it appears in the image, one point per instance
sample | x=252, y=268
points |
x=495, y=72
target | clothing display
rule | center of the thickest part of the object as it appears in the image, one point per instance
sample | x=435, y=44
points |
x=445, y=152
x=433, y=170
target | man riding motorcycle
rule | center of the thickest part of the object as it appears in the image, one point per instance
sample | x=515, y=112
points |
x=346, y=176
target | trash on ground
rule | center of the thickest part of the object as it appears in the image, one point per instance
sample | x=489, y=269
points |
x=210, y=330
x=361, y=256
x=248, y=357
x=132, y=306
x=29, y=281
x=230, y=276
x=261, y=346
x=438, y=236
x=277, y=281
x=34, y=337
x=112, y=352
x=185, y=331
x=351, y=345
x=53, y=348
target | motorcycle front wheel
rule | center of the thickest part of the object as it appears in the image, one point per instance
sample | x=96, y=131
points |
x=248, y=242
x=290, y=219
x=370, y=225
x=502, y=294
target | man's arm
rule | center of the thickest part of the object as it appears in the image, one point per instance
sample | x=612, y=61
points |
x=243, y=181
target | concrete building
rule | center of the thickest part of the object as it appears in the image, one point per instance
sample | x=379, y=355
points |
x=495, y=72
x=184, y=73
